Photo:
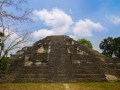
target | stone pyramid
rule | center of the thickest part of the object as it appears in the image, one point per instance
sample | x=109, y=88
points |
x=59, y=59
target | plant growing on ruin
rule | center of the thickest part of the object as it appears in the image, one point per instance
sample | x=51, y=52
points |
x=85, y=42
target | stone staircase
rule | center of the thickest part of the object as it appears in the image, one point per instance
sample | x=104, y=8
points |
x=60, y=59
x=87, y=71
x=112, y=67
x=32, y=74
x=59, y=64
x=117, y=69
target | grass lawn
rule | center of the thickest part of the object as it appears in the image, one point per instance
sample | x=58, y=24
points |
x=60, y=86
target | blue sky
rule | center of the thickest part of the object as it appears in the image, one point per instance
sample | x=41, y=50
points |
x=91, y=19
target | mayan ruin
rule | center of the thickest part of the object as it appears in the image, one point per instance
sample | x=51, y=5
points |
x=59, y=44
x=61, y=59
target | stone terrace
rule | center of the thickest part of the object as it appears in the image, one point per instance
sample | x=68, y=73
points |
x=58, y=59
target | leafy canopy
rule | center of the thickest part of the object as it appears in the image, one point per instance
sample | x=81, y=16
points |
x=110, y=46
x=85, y=42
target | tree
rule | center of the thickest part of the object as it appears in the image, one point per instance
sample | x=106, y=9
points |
x=107, y=45
x=85, y=42
x=110, y=46
x=7, y=19
x=117, y=47
x=14, y=42
x=16, y=4
x=3, y=65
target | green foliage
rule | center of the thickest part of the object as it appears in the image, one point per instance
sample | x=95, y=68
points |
x=3, y=65
x=117, y=47
x=107, y=45
x=1, y=34
x=85, y=42
x=110, y=46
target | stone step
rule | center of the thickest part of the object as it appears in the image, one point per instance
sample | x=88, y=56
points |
x=87, y=71
x=87, y=64
x=13, y=69
x=92, y=69
x=32, y=75
x=61, y=72
x=110, y=65
x=59, y=79
x=89, y=76
x=81, y=64
x=30, y=80
x=86, y=68
x=38, y=70
x=61, y=75
x=86, y=60
x=117, y=71
x=117, y=67
x=90, y=79
x=34, y=72
x=36, y=67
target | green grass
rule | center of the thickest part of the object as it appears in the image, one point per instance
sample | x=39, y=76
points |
x=60, y=86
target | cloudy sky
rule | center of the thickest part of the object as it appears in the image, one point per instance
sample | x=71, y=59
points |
x=91, y=19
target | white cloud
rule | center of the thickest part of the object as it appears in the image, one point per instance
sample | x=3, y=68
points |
x=62, y=24
x=56, y=18
x=42, y=33
x=86, y=27
x=114, y=19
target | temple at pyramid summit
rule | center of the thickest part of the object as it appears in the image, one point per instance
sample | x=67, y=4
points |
x=61, y=59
